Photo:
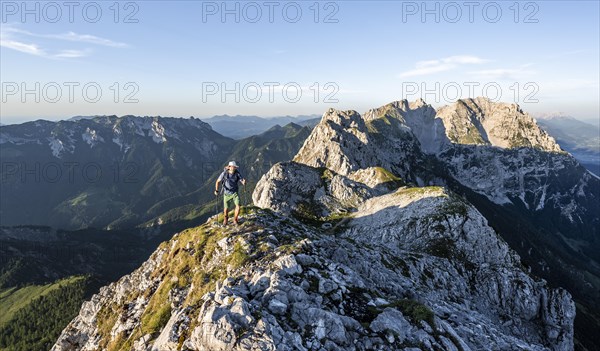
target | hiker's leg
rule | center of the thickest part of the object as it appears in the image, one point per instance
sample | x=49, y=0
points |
x=236, y=201
x=237, y=213
x=225, y=209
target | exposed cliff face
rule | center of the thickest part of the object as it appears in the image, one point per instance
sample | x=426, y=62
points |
x=500, y=152
x=419, y=118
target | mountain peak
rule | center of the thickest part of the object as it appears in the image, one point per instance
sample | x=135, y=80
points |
x=343, y=118
x=345, y=141
x=481, y=121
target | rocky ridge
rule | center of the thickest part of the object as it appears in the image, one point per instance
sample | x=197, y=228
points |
x=342, y=254
x=277, y=283
x=348, y=253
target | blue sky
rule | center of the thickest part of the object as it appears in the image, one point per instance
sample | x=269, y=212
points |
x=177, y=58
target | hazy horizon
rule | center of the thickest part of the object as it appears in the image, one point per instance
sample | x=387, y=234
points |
x=10, y=120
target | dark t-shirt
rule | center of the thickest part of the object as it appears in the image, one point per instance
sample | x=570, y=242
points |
x=230, y=181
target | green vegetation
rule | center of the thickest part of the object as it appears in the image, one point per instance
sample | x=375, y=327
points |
x=386, y=179
x=470, y=136
x=365, y=314
x=290, y=249
x=326, y=173
x=33, y=316
x=14, y=299
x=388, y=112
x=106, y=318
x=414, y=191
x=18, y=271
x=517, y=139
x=442, y=247
x=456, y=206
x=238, y=257
x=156, y=321
x=158, y=311
x=386, y=176
x=414, y=310
x=306, y=213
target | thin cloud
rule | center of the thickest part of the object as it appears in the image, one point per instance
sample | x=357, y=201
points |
x=72, y=53
x=12, y=38
x=85, y=38
x=31, y=49
x=35, y=50
x=69, y=36
x=441, y=65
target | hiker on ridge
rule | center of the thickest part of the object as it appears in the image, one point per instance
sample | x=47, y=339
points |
x=230, y=178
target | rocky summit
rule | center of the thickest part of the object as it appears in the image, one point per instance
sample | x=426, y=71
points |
x=359, y=243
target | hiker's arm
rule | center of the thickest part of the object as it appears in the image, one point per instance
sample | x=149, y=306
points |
x=217, y=186
x=241, y=178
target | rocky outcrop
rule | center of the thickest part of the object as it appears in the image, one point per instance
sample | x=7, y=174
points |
x=483, y=122
x=344, y=142
x=348, y=144
x=319, y=192
x=419, y=118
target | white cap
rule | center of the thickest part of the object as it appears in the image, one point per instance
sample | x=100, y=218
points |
x=232, y=163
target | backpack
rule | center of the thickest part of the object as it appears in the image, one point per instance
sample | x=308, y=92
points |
x=226, y=177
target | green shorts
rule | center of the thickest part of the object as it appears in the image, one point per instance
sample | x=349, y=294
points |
x=228, y=197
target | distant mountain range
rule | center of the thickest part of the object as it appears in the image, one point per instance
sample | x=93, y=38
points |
x=156, y=169
x=118, y=172
x=581, y=139
x=238, y=127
